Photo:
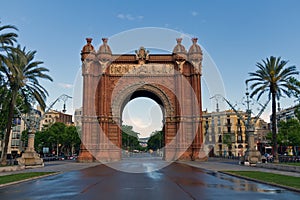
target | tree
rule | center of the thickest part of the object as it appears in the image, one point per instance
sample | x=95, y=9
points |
x=156, y=140
x=7, y=40
x=59, y=137
x=295, y=82
x=71, y=141
x=22, y=74
x=129, y=138
x=272, y=77
x=289, y=133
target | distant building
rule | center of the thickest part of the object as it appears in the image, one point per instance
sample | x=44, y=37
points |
x=143, y=141
x=53, y=116
x=285, y=114
x=262, y=128
x=16, y=146
x=77, y=117
x=225, y=132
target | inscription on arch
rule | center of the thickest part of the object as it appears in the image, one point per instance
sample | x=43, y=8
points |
x=137, y=69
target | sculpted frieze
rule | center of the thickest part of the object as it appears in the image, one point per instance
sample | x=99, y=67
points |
x=149, y=69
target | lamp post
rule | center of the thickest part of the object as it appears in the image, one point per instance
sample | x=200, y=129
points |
x=30, y=158
x=252, y=156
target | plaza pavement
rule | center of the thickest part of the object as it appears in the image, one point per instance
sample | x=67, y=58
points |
x=223, y=164
x=212, y=165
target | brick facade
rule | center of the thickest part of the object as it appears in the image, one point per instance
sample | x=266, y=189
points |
x=111, y=81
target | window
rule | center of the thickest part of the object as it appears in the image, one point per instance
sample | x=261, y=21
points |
x=15, y=143
x=239, y=139
x=229, y=129
x=16, y=136
x=220, y=139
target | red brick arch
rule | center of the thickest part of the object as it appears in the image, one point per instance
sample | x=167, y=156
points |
x=111, y=81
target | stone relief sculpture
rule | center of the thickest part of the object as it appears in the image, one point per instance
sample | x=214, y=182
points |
x=142, y=55
x=150, y=69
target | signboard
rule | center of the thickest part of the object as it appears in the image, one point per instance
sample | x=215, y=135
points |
x=45, y=149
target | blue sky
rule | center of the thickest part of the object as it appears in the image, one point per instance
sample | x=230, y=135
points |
x=235, y=33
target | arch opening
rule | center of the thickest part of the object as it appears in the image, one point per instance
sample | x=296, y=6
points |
x=142, y=125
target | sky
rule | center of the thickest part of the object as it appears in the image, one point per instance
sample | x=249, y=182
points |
x=235, y=34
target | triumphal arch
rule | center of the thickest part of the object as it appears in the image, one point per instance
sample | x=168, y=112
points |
x=110, y=81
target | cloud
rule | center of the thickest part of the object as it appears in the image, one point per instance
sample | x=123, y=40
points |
x=140, y=17
x=65, y=85
x=129, y=17
x=194, y=13
x=138, y=122
x=121, y=16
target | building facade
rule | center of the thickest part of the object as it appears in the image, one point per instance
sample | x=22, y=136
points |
x=16, y=145
x=77, y=117
x=55, y=116
x=226, y=132
x=285, y=114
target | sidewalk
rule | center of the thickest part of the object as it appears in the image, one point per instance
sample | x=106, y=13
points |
x=213, y=164
x=223, y=164
x=55, y=166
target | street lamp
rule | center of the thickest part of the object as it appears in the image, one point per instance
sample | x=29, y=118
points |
x=251, y=155
x=30, y=158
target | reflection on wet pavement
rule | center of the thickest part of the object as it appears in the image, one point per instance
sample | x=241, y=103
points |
x=241, y=184
x=175, y=181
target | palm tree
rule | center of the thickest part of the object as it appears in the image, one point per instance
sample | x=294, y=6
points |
x=22, y=74
x=273, y=77
x=7, y=40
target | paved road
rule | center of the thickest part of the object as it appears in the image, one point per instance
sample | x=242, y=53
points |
x=175, y=181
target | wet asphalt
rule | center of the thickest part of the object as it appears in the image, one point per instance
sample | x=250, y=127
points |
x=156, y=180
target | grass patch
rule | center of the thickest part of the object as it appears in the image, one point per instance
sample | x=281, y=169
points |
x=284, y=180
x=22, y=176
x=291, y=163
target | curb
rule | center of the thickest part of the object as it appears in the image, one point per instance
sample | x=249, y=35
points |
x=243, y=177
x=260, y=181
x=28, y=179
x=12, y=168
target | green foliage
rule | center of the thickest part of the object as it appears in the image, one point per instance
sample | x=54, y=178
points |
x=296, y=83
x=3, y=110
x=269, y=137
x=227, y=139
x=130, y=139
x=289, y=133
x=22, y=176
x=20, y=75
x=273, y=78
x=58, y=135
x=297, y=112
x=156, y=140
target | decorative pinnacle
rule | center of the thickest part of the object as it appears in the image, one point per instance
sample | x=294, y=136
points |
x=194, y=40
x=179, y=40
x=89, y=40
x=104, y=40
